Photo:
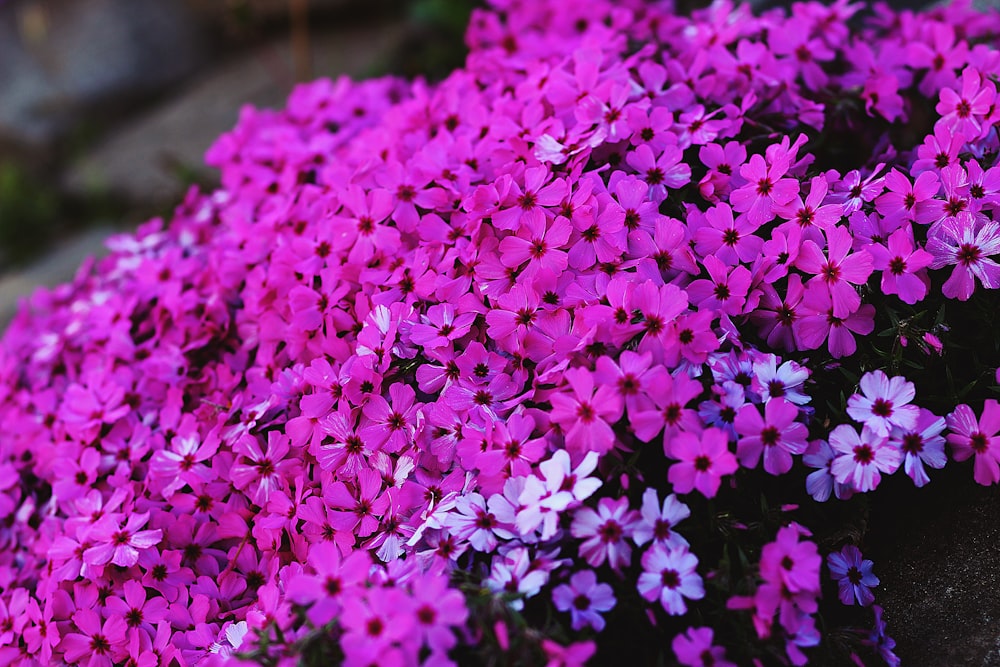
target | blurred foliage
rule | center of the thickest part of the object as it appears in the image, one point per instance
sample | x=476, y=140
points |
x=29, y=213
x=435, y=45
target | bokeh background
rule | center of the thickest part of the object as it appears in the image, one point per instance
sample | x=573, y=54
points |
x=107, y=106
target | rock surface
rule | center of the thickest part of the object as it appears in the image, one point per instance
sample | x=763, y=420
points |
x=143, y=161
x=937, y=553
x=62, y=61
x=57, y=267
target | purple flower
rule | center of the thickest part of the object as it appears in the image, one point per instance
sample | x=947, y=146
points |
x=585, y=599
x=854, y=575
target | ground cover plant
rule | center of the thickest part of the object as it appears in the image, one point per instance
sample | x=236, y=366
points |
x=596, y=348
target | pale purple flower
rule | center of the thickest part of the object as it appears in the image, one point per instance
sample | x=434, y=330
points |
x=862, y=459
x=657, y=523
x=585, y=599
x=884, y=403
x=604, y=532
x=967, y=241
x=670, y=576
x=921, y=445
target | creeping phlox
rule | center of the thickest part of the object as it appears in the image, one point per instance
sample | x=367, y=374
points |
x=511, y=364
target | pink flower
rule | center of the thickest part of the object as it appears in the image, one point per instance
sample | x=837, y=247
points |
x=703, y=460
x=101, y=645
x=670, y=395
x=391, y=427
x=970, y=437
x=660, y=172
x=439, y=611
x=965, y=112
x=791, y=562
x=725, y=289
x=587, y=415
x=863, y=458
x=728, y=240
x=765, y=189
x=585, y=599
x=837, y=271
x=914, y=202
x=695, y=649
x=817, y=322
x=900, y=264
x=264, y=472
x=777, y=435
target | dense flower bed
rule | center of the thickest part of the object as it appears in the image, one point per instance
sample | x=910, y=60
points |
x=594, y=347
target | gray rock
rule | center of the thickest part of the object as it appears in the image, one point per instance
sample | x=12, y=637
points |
x=143, y=161
x=63, y=59
x=937, y=553
x=58, y=267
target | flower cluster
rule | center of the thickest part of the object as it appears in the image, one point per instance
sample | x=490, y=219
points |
x=512, y=363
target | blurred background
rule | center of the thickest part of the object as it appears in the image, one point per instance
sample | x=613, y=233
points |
x=107, y=106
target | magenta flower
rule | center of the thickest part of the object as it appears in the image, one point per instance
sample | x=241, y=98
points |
x=853, y=574
x=695, y=649
x=970, y=436
x=670, y=576
x=884, y=403
x=668, y=414
x=813, y=214
x=390, y=427
x=965, y=111
x=862, y=459
x=837, y=270
x=777, y=435
x=587, y=415
x=901, y=266
x=439, y=610
x=817, y=322
x=660, y=172
x=703, y=460
x=728, y=240
x=907, y=201
x=120, y=545
x=585, y=599
x=263, y=472
x=790, y=561
x=724, y=290
x=765, y=189
x=101, y=645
